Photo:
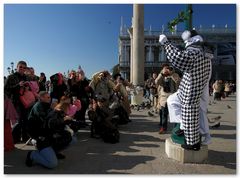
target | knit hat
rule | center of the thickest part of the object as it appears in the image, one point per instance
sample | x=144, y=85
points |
x=193, y=33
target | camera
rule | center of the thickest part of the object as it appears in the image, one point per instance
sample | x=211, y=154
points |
x=166, y=85
x=170, y=68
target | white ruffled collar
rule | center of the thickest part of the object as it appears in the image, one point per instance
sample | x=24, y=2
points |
x=193, y=40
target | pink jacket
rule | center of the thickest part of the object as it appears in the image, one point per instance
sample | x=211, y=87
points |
x=10, y=112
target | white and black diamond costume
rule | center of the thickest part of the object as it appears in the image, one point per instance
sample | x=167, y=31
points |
x=196, y=69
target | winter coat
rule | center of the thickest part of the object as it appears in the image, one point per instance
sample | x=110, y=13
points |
x=195, y=68
x=37, y=124
x=12, y=87
x=164, y=91
x=103, y=88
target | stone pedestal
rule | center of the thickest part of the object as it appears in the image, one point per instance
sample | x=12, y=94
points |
x=176, y=152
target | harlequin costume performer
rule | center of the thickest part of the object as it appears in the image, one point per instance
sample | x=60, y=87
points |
x=196, y=69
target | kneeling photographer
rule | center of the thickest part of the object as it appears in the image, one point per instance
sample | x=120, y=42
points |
x=167, y=82
x=102, y=123
x=40, y=132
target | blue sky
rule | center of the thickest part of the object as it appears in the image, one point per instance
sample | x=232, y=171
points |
x=56, y=37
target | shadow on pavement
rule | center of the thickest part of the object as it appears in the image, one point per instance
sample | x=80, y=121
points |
x=138, y=115
x=215, y=112
x=225, y=136
x=226, y=159
x=93, y=156
x=224, y=127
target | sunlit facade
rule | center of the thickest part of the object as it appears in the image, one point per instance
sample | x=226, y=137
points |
x=223, y=40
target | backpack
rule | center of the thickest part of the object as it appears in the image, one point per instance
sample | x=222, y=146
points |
x=111, y=135
x=123, y=117
x=59, y=138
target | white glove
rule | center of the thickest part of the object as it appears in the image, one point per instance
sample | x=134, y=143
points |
x=162, y=39
x=186, y=35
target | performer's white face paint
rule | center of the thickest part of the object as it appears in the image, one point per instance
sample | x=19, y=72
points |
x=193, y=39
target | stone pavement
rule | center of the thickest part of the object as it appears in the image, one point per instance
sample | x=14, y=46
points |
x=141, y=150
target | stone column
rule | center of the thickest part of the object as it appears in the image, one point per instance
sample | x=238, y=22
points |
x=137, y=69
x=130, y=32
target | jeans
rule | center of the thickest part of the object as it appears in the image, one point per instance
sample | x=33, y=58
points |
x=163, y=117
x=45, y=157
x=74, y=140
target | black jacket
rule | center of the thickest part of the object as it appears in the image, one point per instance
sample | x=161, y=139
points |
x=37, y=124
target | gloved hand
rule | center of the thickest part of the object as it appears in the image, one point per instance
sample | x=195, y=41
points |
x=186, y=35
x=162, y=39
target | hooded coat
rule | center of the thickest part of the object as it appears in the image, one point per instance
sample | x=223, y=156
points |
x=196, y=69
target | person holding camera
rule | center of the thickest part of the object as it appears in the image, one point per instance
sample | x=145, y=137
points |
x=37, y=127
x=102, y=120
x=167, y=82
x=151, y=86
x=16, y=82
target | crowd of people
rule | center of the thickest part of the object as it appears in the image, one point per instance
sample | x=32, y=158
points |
x=221, y=89
x=49, y=113
x=166, y=84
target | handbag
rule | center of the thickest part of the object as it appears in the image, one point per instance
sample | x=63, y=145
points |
x=27, y=98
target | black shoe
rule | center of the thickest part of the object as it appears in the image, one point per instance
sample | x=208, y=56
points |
x=29, y=161
x=179, y=132
x=60, y=156
x=194, y=147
